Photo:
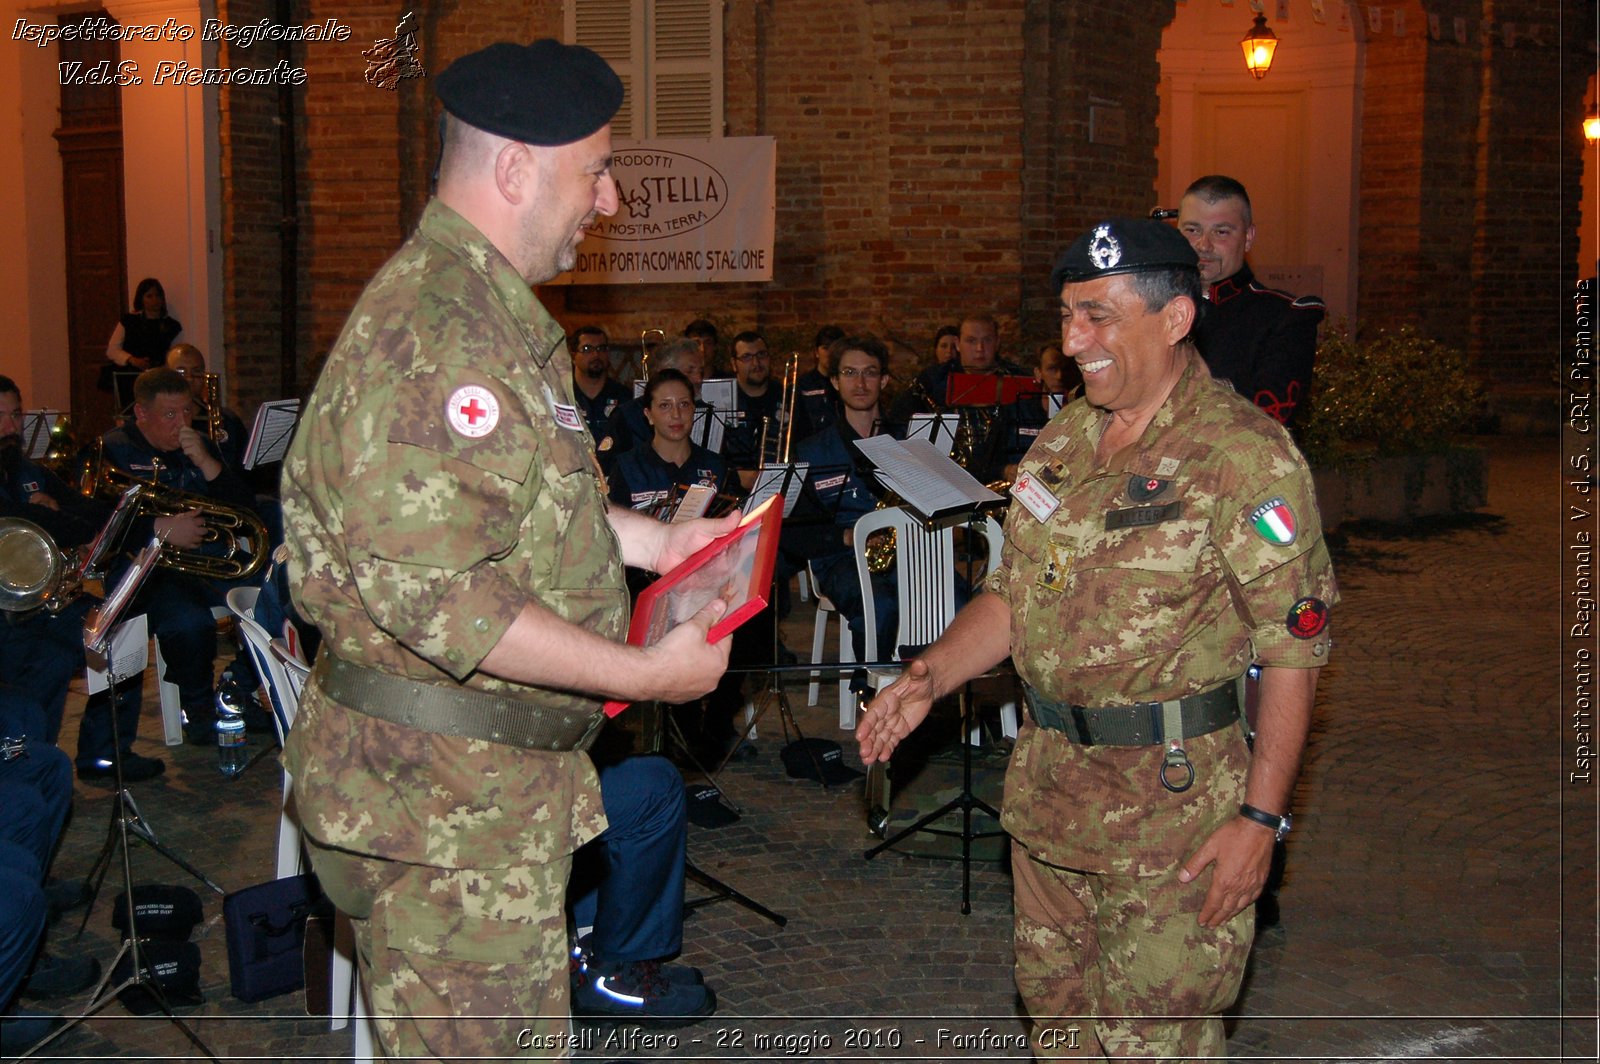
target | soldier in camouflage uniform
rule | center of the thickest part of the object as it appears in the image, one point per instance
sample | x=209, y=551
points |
x=1163, y=534
x=452, y=542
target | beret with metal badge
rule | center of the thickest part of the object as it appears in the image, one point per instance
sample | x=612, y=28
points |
x=1123, y=245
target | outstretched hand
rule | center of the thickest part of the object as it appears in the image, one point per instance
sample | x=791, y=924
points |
x=896, y=712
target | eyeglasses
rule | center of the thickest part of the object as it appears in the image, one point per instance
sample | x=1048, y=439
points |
x=871, y=373
x=589, y=349
x=752, y=356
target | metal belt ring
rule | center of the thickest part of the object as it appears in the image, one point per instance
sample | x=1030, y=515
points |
x=1177, y=759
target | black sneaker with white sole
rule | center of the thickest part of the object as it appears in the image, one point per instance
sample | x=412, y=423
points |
x=640, y=993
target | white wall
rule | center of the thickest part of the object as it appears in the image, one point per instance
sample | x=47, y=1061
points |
x=1306, y=155
x=171, y=191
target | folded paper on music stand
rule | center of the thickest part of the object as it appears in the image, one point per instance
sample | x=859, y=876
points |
x=933, y=487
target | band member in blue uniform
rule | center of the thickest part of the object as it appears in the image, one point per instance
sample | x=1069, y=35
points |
x=839, y=490
x=652, y=476
x=596, y=394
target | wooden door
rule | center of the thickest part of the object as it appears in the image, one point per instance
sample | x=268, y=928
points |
x=1258, y=139
x=90, y=142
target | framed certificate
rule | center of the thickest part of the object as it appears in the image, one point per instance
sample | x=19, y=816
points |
x=736, y=568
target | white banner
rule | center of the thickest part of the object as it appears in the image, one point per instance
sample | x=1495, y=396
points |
x=691, y=210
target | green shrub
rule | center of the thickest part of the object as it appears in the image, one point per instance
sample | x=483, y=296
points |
x=1393, y=393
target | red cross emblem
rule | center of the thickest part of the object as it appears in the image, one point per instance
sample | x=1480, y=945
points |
x=473, y=411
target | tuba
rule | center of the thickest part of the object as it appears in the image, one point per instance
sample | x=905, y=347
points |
x=33, y=571
x=235, y=546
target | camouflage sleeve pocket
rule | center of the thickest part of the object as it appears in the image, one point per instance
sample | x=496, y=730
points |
x=1271, y=528
x=466, y=417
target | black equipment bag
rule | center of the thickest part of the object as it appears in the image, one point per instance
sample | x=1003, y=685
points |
x=266, y=927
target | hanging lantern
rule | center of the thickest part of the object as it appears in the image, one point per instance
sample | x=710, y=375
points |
x=1258, y=45
x=1591, y=123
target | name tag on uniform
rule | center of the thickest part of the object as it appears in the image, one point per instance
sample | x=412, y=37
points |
x=1140, y=516
x=567, y=415
x=1041, y=503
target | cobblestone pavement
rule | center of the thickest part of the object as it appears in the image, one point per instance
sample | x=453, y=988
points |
x=1438, y=905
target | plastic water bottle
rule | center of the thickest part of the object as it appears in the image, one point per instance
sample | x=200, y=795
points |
x=232, y=749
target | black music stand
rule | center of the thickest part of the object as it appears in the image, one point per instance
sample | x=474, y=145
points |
x=966, y=801
x=125, y=820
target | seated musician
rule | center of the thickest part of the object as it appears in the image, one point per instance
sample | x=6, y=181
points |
x=231, y=436
x=655, y=476
x=758, y=399
x=840, y=489
x=1059, y=382
x=628, y=427
x=40, y=651
x=162, y=441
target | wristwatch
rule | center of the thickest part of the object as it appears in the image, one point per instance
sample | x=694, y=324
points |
x=1279, y=824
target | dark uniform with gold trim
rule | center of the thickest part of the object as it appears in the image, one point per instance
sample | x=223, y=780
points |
x=1262, y=341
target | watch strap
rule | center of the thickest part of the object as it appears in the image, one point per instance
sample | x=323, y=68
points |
x=1279, y=824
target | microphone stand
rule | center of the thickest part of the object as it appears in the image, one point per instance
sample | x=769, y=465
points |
x=98, y=640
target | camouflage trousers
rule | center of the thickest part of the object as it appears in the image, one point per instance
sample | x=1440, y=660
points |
x=1112, y=967
x=457, y=963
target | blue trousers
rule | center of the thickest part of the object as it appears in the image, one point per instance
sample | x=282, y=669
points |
x=22, y=915
x=836, y=578
x=628, y=882
x=35, y=792
x=40, y=653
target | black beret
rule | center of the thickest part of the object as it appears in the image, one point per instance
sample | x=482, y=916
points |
x=1123, y=245
x=545, y=93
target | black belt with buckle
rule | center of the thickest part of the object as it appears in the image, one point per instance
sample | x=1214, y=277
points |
x=1143, y=724
x=458, y=711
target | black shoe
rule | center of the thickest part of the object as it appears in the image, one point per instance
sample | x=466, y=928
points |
x=21, y=1029
x=65, y=895
x=640, y=993
x=54, y=976
x=136, y=768
x=583, y=960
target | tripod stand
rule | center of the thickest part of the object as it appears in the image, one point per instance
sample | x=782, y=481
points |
x=125, y=820
x=966, y=801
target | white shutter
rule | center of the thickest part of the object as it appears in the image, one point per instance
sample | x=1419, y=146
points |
x=686, y=68
x=668, y=54
x=615, y=29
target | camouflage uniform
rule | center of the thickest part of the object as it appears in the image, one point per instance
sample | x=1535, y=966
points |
x=417, y=545
x=1107, y=939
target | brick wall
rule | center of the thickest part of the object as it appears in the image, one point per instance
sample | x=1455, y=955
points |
x=934, y=157
x=1470, y=164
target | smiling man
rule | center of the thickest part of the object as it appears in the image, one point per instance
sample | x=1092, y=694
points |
x=1163, y=534
x=449, y=536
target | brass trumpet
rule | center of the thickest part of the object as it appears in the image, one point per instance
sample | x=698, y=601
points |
x=235, y=545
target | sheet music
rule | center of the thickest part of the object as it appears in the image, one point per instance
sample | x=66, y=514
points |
x=694, y=502
x=130, y=653
x=924, y=476
x=271, y=433
x=770, y=479
x=110, y=611
x=36, y=426
x=940, y=429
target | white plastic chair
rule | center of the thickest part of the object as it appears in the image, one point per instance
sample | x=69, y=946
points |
x=819, y=638
x=925, y=583
x=242, y=601
x=171, y=704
